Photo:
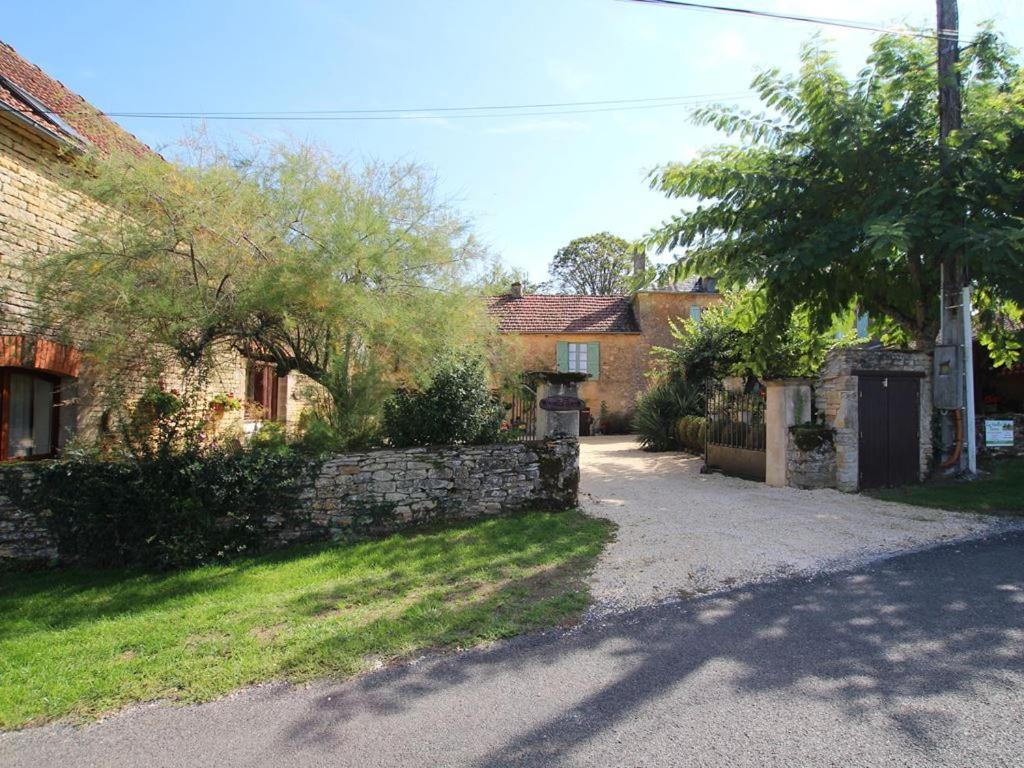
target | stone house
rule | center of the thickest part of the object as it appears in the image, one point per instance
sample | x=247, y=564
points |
x=46, y=390
x=607, y=337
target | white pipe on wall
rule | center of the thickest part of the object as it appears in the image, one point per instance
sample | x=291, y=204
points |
x=970, y=426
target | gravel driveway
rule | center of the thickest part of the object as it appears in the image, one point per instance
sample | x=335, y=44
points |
x=683, y=533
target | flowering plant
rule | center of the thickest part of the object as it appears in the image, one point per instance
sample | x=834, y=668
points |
x=226, y=401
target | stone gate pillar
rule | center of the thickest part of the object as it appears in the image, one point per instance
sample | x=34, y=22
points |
x=788, y=403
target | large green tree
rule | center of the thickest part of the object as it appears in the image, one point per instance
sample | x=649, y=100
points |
x=595, y=265
x=835, y=195
x=352, y=276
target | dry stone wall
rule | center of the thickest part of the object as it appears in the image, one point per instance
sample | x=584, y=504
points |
x=373, y=492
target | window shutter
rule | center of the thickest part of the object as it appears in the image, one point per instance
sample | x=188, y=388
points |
x=594, y=359
x=562, y=353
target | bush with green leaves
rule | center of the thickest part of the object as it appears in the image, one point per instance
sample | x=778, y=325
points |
x=457, y=407
x=659, y=410
x=168, y=509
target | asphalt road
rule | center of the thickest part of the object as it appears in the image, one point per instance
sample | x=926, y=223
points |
x=918, y=660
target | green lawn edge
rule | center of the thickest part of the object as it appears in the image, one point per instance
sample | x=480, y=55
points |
x=76, y=645
x=999, y=490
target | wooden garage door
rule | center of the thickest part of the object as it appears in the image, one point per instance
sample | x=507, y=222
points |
x=890, y=428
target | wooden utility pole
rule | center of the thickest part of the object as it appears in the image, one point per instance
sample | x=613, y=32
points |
x=956, y=304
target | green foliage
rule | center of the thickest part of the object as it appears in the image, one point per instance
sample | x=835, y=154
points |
x=659, y=409
x=810, y=436
x=742, y=337
x=167, y=510
x=79, y=643
x=287, y=254
x=456, y=407
x=838, y=195
x=691, y=432
x=596, y=265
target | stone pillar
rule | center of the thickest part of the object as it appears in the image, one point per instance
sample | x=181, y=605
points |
x=788, y=403
x=556, y=423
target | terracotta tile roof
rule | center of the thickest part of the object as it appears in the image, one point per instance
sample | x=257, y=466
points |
x=35, y=96
x=563, y=314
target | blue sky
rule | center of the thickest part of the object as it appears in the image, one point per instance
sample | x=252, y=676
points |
x=530, y=184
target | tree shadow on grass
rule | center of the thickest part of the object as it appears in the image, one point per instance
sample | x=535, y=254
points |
x=880, y=641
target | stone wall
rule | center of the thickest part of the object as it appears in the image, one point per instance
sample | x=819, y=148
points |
x=392, y=489
x=836, y=399
x=812, y=469
x=374, y=492
x=25, y=538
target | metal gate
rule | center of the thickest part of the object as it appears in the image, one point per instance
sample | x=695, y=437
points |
x=736, y=438
x=889, y=425
x=522, y=413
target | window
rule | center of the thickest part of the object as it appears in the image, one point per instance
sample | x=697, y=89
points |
x=695, y=313
x=28, y=414
x=261, y=387
x=579, y=357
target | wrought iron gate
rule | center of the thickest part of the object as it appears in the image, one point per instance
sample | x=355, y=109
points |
x=736, y=439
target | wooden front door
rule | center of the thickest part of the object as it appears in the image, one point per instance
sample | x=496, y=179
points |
x=889, y=416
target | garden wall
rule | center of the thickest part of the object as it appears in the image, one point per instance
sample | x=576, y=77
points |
x=374, y=492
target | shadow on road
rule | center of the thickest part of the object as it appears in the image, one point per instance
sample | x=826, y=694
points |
x=874, y=642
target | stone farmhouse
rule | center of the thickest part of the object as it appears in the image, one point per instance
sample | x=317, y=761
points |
x=607, y=337
x=47, y=393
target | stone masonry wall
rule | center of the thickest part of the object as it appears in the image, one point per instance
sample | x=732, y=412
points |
x=812, y=469
x=392, y=489
x=375, y=492
x=836, y=399
x=25, y=538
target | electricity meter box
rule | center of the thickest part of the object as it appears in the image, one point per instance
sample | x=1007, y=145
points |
x=948, y=383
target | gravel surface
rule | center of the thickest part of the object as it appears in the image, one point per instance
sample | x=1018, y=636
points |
x=682, y=533
x=914, y=661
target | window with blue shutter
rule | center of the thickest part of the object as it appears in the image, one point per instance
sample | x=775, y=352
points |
x=577, y=357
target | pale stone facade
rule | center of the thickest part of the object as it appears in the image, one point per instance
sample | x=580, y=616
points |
x=625, y=357
x=40, y=213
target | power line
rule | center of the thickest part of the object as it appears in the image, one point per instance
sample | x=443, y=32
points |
x=458, y=113
x=818, y=20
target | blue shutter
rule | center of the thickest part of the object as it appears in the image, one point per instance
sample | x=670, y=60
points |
x=594, y=359
x=562, y=356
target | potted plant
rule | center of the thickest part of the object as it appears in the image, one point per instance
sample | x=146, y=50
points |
x=224, y=401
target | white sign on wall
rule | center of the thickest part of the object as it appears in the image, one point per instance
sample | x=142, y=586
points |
x=998, y=433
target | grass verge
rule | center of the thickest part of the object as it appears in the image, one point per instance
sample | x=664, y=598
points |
x=78, y=644
x=1000, y=491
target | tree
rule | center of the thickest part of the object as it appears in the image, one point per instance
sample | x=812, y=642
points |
x=596, y=265
x=837, y=198
x=353, y=277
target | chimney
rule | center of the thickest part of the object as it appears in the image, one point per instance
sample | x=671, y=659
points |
x=517, y=290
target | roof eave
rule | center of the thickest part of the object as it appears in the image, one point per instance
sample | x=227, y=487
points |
x=53, y=136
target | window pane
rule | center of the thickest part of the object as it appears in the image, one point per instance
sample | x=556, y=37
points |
x=30, y=416
x=582, y=359
x=42, y=415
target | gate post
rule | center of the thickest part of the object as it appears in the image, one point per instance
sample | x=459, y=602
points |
x=788, y=403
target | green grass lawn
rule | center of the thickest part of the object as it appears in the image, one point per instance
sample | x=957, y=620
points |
x=1000, y=490
x=78, y=644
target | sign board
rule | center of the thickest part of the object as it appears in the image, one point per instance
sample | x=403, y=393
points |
x=561, y=403
x=998, y=433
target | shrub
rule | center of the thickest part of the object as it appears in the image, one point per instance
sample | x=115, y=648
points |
x=457, y=407
x=810, y=436
x=166, y=510
x=659, y=410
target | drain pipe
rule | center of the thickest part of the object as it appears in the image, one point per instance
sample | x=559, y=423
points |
x=971, y=426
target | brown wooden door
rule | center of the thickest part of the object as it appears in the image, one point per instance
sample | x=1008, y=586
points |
x=890, y=430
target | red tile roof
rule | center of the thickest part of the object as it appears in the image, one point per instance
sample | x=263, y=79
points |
x=36, y=97
x=563, y=314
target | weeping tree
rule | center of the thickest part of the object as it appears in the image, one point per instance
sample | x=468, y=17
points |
x=351, y=276
x=835, y=197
